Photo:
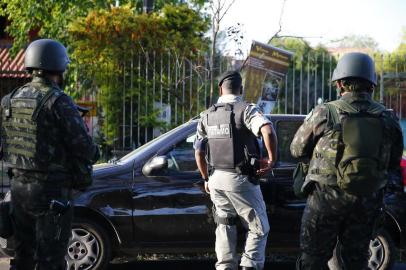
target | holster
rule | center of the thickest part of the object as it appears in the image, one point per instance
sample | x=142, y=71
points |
x=229, y=221
x=6, y=224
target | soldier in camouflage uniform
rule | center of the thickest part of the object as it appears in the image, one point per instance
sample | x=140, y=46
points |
x=331, y=213
x=42, y=133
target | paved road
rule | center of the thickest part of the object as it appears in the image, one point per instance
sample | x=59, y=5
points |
x=184, y=265
x=203, y=265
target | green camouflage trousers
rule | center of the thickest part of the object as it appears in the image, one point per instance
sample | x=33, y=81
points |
x=331, y=215
x=40, y=235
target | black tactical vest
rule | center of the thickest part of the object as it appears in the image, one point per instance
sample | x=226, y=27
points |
x=30, y=137
x=231, y=143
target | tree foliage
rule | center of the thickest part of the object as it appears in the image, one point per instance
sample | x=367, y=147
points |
x=358, y=41
x=50, y=18
x=312, y=64
x=107, y=42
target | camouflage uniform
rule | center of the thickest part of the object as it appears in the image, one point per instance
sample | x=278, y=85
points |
x=39, y=154
x=331, y=213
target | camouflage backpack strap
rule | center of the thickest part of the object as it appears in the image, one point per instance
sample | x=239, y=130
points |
x=7, y=102
x=51, y=95
x=332, y=115
x=344, y=106
x=376, y=108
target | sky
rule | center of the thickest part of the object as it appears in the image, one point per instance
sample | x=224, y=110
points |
x=320, y=21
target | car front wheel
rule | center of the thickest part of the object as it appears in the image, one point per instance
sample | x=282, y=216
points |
x=381, y=253
x=89, y=247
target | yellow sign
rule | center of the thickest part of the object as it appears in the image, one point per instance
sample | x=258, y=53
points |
x=265, y=67
x=91, y=105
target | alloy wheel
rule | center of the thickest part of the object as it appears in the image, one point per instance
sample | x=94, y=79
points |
x=83, y=250
x=377, y=254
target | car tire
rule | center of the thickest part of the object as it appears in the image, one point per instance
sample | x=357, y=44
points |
x=89, y=247
x=381, y=249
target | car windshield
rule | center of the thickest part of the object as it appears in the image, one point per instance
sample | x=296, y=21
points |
x=130, y=156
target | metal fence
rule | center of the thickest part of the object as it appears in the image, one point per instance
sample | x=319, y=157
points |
x=308, y=83
x=150, y=93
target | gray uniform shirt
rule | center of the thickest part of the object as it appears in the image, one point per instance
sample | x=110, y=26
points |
x=253, y=120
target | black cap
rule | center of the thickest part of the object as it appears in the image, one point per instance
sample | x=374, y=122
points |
x=231, y=75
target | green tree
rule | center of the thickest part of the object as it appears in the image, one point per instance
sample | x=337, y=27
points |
x=306, y=72
x=357, y=41
x=106, y=43
x=50, y=18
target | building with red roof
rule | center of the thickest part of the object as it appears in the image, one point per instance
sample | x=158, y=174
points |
x=12, y=71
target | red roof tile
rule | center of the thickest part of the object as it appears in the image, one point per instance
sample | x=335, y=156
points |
x=12, y=68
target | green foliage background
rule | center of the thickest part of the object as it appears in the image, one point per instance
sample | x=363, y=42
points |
x=102, y=39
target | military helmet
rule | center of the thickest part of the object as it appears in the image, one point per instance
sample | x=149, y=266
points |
x=46, y=54
x=355, y=65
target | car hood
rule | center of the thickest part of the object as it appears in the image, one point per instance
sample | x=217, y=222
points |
x=102, y=166
x=103, y=170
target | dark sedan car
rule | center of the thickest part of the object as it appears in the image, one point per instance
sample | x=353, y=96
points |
x=152, y=200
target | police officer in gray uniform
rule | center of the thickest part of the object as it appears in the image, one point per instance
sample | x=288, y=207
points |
x=227, y=138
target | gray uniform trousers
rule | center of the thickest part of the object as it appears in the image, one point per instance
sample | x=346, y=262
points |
x=249, y=206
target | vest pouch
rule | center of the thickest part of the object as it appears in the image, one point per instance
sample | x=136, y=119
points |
x=360, y=176
x=6, y=224
x=299, y=176
x=359, y=171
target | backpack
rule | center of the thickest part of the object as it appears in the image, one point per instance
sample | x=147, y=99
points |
x=360, y=170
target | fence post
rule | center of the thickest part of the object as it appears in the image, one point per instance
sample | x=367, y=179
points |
x=329, y=81
x=381, y=90
x=315, y=80
x=169, y=83
x=139, y=102
x=183, y=89
x=301, y=85
x=191, y=89
x=286, y=94
x=123, y=105
x=205, y=81
x=131, y=100
x=176, y=91
x=161, y=81
x=153, y=82
x=322, y=76
x=293, y=86
x=308, y=84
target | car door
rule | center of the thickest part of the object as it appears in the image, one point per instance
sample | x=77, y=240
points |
x=284, y=208
x=173, y=208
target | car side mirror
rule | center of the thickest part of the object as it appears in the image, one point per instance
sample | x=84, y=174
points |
x=155, y=166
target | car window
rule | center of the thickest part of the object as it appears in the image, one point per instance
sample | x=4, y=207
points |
x=285, y=131
x=181, y=157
